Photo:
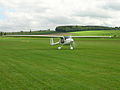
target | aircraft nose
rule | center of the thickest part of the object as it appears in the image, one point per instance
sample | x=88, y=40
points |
x=72, y=40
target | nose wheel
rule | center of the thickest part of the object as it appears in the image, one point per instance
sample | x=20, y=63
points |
x=59, y=48
x=71, y=48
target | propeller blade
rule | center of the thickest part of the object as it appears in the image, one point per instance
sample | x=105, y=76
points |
x=74, y=44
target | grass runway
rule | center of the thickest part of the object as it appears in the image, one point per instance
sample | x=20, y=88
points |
x=32, y=64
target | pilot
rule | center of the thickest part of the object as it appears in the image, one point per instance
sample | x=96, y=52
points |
x=62, y=40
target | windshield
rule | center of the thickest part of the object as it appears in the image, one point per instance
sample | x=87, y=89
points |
x=66, y=37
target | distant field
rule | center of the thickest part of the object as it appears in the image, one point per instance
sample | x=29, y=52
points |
x=33, y=33
x=94, y=33
x=115, y=33
x=32, y=64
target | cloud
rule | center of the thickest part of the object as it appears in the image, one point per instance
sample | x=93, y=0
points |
x=93, y=14
x=62, y=20
x=19, y=15
x=112, y=5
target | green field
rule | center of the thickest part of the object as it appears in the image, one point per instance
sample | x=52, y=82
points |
x=32, y=64
x=115, y=33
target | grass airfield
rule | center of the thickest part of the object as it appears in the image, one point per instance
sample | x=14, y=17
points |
x=32, y=64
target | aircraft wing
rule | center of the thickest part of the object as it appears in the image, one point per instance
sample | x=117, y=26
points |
x=55, y=36
x=46, y=36
x=91, y=36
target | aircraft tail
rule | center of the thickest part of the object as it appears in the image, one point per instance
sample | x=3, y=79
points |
x=51, y=41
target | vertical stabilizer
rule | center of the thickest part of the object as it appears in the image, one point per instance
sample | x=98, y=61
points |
x=51, y=41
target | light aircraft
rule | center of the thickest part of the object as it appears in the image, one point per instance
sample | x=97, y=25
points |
x=64, y=40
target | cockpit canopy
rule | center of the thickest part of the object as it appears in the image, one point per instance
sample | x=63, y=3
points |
x=66, y=37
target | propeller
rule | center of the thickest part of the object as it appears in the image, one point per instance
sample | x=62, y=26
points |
x=74, y=44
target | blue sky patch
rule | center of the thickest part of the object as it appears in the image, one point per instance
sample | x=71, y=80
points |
x=2, y=10
x=2, y=16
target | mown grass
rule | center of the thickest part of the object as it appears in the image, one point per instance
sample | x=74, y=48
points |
x=32, y=64
x=115, y=33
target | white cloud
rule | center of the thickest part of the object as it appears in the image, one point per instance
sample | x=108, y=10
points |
x=44, y=14
x=112, y=5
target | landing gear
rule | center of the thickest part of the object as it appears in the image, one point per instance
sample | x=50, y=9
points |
x=59, y=48
x=71, y=48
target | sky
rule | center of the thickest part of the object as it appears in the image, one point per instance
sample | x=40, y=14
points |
x=23, y=15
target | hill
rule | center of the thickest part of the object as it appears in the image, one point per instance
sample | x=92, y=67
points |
x=115, y=33
x=84, y=28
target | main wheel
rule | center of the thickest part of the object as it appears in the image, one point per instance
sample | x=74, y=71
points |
x=71, y=48
x=59, y=48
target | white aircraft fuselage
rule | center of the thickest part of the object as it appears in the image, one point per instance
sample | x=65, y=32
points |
x=65, y=40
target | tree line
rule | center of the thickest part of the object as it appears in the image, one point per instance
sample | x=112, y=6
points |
x=26, y=32
x=84, y=28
